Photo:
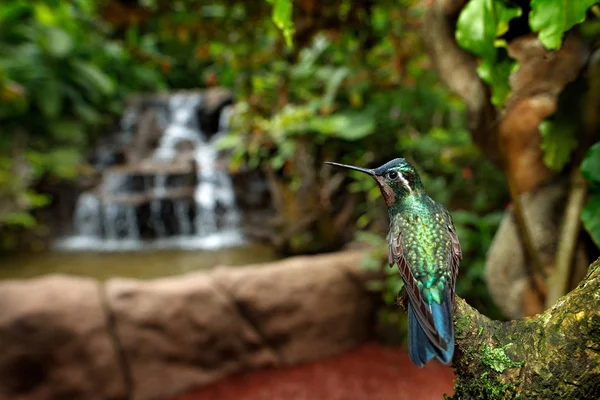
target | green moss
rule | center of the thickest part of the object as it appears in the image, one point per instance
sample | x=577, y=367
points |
x=461, y=323
x=484, y=387
x=594, y=328
x=495, y=389
x=497, y=359
x=487, y=385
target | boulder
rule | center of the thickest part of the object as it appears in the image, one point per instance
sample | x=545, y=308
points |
x=305, y=308
x=54, y=342
x=181, y=332
x=72, y=338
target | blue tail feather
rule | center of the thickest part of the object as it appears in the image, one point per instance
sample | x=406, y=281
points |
x=442, y=316
x=420, y=349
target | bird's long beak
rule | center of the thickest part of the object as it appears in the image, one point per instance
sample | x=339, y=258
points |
x=364, y=170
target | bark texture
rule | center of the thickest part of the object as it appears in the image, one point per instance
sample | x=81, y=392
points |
x=553, y=355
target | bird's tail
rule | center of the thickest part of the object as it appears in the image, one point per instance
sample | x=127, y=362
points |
x=421, y=349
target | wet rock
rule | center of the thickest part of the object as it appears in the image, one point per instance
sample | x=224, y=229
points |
x=181, y=332
x=254, y=200
x=146, y=134
x=54, y=342
x=305, y=308
x=215, y=99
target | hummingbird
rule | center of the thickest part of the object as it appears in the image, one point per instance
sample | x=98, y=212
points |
x=424, y=245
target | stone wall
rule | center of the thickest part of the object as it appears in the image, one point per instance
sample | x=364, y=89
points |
x=74, y=338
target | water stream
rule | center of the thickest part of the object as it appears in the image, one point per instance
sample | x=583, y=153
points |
x=175, y=203
x=150, y=205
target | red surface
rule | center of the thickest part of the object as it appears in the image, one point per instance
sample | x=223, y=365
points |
x=372, y=372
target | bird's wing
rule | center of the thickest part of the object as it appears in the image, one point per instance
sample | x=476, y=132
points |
x=421, y=309
x=455, y=254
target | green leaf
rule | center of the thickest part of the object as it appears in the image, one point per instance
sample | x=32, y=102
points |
x=559, y=139
x=49, y=98
x=68, y=132
x=496, y=74
x=590, y=216
x=590, y=167
x=88, y=6
x=11, y=12
x=229, y=141
x=44, y=14
x=20, y=218
x=63, y=162
x=345, y=125
x=333, y=84
x=370, y=238
x=96, y=76
x=87, y=113
x=57, y=42
x=282, y=17
x=375, y=286
x=480, y=24
x=37, y=200
x=552, y=18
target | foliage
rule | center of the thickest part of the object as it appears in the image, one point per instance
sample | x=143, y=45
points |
x=199, y=44
x=553, y=18
x=355, y=88
x=482, y=25
x=590, y=167
x=355, y=104
x=559, y=132
x=558, y=141
x=480, y=29
x=61, y=80
x=282, y=17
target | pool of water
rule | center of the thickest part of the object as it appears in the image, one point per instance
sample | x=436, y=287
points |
x=135, y=264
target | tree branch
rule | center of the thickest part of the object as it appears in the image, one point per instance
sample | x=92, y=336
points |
x=533, y=262
x=555, y=354
x=558, y=282
x=458, y=71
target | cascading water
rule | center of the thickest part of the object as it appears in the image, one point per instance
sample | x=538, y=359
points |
x=152, y=203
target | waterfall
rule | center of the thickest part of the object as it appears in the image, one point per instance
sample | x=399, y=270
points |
x=170, y=198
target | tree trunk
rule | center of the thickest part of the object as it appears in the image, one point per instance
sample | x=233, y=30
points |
x=554, y=355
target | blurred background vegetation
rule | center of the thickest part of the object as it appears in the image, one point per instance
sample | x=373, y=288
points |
x=357, y=86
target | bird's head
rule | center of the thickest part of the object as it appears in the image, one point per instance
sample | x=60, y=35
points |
x=397, y=179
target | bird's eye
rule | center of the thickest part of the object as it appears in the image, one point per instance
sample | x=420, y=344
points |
x=393, y=175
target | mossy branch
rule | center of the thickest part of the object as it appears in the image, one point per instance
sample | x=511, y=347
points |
x=555, y=354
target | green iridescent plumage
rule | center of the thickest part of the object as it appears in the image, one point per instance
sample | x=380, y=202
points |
x=424, y=245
